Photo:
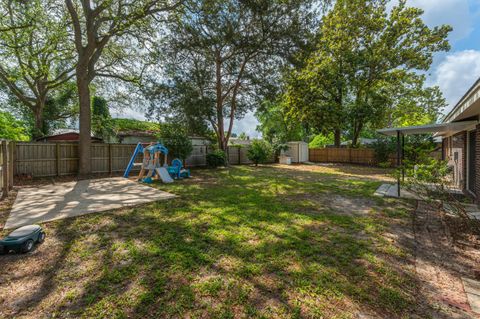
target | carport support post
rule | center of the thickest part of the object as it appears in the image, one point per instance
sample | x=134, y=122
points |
x=398, y=161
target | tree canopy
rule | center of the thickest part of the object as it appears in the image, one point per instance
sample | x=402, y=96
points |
x=11, y=128
x=225, y=56
x=307, y=68
x=34, y=55
x=366, y=68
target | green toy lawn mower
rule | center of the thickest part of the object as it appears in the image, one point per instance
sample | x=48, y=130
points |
x=22, y=240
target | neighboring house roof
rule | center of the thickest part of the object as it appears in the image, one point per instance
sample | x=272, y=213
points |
x=64, y=135
x=238, y=141
x=467, y=107
x=61, y=131
x=362, y=141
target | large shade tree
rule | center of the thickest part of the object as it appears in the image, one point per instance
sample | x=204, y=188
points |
x=97, y=27
x=226, y=54
x=366, y=59
x=275, y=125
x=35, y=56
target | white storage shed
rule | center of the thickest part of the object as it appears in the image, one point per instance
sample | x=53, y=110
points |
x=298, y=151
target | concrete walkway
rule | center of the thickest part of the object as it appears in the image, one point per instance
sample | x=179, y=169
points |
x=391, y=190
x=58, y=201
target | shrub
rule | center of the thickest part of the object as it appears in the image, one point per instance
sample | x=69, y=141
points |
x=176, y=141
x=259, y=152
x=216, y=158
x=383, y=148
x=431, y=181
x=418, y=150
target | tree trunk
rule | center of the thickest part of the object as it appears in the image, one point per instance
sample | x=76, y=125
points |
x=84, y=145
x=38, y=125
x=356, y=134
x=219, y=102
x=337, y=137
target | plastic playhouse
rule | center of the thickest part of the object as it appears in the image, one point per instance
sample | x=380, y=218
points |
x=152, y=154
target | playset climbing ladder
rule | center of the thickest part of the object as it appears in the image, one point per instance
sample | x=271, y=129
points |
x=153, y=166
x=131, y=164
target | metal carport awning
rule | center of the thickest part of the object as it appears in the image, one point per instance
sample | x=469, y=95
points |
x=442, y=129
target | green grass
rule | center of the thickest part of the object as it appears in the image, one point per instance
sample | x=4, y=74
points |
x=243, y=242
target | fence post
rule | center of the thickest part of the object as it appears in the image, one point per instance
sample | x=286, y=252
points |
x=349, y=154
x=5, y=169
x=110, y=158
x=239, y=154
x=11, y=164
x=57, y=158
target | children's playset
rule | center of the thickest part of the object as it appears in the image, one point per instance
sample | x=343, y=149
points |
x=22, y=240
x=152, y=154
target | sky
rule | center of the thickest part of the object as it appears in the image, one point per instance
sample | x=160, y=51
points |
x=454, y=71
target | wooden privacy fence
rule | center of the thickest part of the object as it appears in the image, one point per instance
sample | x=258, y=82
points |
x=237, y=155
x=6, y=167
x=56, y=159
x=364, y=156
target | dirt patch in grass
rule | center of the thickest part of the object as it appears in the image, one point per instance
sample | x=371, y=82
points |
x=338, y=204
x=241, y=242
x=342, y=170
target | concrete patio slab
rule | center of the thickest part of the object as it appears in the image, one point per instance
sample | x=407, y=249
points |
x=63, y=200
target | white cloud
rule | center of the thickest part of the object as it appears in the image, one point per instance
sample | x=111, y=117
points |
x=456, y=13
x=248, y=124
x=456, y=74
x=129, y=114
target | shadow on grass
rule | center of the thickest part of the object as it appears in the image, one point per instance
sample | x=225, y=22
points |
x=231, y=247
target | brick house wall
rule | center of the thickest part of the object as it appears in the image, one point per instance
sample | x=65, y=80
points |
x=454, y=151
x=458, y=143
x=477, y=164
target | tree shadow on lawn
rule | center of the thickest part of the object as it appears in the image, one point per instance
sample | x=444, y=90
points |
x=227, y=250
x=343, y=171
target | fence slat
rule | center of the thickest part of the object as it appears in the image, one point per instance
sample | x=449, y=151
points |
x=5, y=173
x=343, y=155
x=57, y=159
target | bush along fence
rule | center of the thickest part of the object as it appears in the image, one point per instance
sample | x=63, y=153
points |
x=365, y=156
x=6, y=167
x=57, y=159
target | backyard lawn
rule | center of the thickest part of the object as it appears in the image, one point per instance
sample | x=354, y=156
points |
x=243, y=242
